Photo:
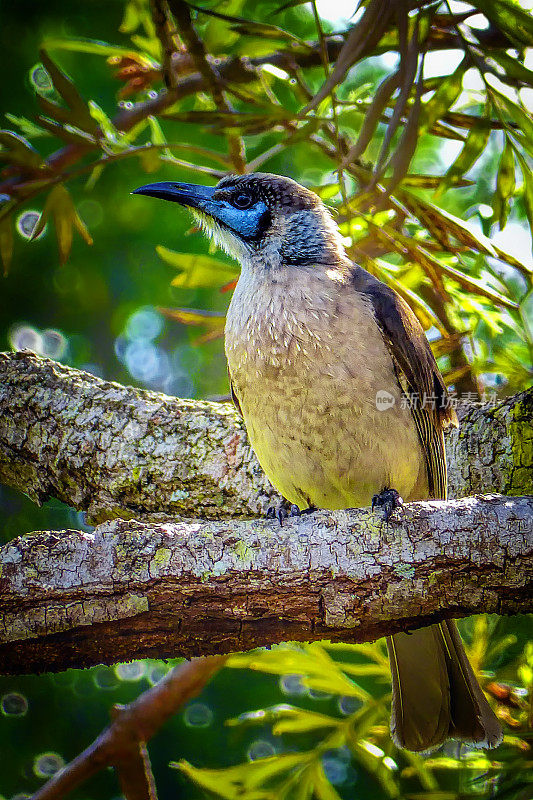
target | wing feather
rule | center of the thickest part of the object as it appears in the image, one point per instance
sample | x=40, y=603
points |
x=416, y=370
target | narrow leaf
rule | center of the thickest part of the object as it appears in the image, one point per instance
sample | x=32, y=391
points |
x=527, y=189
x=197, y=271
x=96, y=47
x=62, y=83
x=474, y=146
x=18, y=150
x=505, y=184
x=508, y=17
x=443, y=99
x=60, y=208
x=234, y=782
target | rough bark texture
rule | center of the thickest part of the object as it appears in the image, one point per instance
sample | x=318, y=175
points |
x=115, y=451
x=132, y=589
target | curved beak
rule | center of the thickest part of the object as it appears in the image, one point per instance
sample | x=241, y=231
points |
x=187, y=194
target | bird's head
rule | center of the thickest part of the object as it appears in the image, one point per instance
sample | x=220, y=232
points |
x=260, y=217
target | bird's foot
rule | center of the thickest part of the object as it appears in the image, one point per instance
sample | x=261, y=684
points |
x=284, y=509
x=388, y=500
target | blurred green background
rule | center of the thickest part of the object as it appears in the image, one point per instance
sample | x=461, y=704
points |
x=100, y=312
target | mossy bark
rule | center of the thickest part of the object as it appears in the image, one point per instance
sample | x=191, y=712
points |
x=115, y=451
x=136, y=589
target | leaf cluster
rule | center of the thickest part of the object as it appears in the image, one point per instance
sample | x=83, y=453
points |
x=317, y=751
x=263, y=95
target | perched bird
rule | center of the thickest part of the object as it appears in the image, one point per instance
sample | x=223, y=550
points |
x=313, y=343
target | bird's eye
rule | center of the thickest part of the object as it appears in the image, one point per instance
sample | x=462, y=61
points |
x=242, y=200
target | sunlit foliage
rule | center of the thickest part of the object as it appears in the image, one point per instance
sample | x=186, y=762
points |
x=412, y=120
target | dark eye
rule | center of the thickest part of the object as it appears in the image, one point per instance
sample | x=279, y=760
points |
x=242, y=200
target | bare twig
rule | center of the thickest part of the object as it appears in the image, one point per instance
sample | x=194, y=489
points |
x=210, y=75
x=122, y=745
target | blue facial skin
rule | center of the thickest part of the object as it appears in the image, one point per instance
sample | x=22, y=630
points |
x=247, y=223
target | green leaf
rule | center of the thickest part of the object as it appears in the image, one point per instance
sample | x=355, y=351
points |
x=6, y=242
x=299, y=720
x=244, y=781
x=509, y=18
x=527, y=189
x=513, y=67
x=69, y=133
x=443, y=99
x=19, y=151
x=60, y=208
x=475, y=144
x=214, y=321
x=517, y=114
x=323, y=790
x=27, y=127
x=373, y=763
x=95, y=47
x=197, y=271
x=114, y=140
x=505, y=184
x=66, y=88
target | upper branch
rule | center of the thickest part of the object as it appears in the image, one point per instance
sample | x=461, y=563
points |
x=117, y=451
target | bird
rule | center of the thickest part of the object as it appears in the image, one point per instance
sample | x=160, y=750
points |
x=343, y=403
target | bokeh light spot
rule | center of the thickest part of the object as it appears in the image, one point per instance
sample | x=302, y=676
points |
x=317, y=694
x=144, y=324
x=24, y=337
x=131, y=671
x=41, y=80
x=105, y=678
x=349, y=705
x=47, y=764
x=14, y=704
x=54, y=343
x=198, y=715
x=157, y=672
x=335, y=769
x=146, y=362
x=292, y=684
x=260, y=748
x=26, y=223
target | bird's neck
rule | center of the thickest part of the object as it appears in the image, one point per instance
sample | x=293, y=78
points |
x=275, y=305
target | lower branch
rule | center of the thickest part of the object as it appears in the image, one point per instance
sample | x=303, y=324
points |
x=122, y=744
x=139, y=589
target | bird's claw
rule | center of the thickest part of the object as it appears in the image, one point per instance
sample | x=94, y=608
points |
x=388, y=500
x=282, y=510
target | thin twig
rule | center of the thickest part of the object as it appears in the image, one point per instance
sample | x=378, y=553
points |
x=123, y=743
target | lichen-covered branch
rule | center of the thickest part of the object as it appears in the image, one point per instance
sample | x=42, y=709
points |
x=117, y=451
x=132, y=589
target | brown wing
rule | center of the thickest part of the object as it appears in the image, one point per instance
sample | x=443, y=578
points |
x=417, y=372
x=234, y=396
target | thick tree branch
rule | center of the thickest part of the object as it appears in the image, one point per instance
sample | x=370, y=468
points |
x=134, y=589
x=117, y=451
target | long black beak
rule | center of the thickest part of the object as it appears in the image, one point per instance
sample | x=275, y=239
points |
x=187, y=194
